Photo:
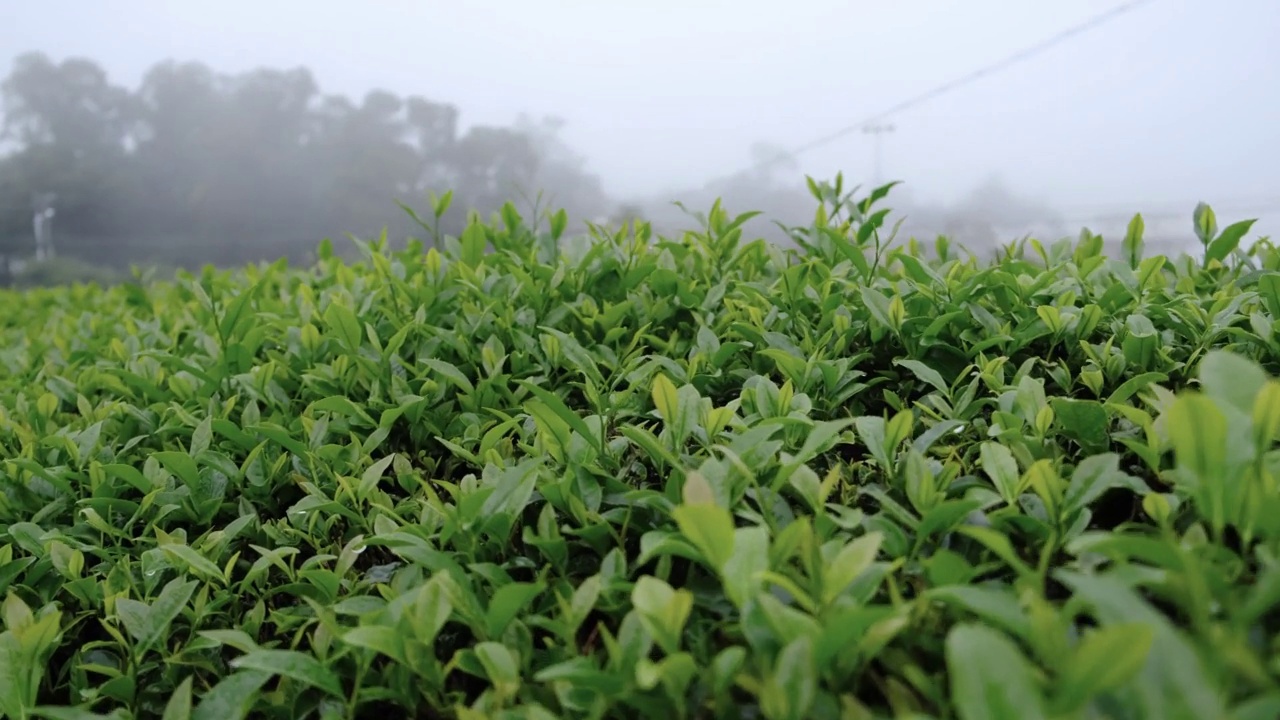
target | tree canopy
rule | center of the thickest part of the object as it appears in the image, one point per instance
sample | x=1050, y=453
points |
x=197, y=166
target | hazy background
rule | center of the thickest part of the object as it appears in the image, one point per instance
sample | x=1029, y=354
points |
x=1168, y=104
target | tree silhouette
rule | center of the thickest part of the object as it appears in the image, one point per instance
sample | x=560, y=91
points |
x=198, y=166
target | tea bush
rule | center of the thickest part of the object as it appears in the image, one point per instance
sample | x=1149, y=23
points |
x=695, y=477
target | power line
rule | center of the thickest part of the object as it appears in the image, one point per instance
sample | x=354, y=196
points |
x=1021, y=55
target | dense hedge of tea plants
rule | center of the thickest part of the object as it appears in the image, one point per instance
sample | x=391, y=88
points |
x=696, y=477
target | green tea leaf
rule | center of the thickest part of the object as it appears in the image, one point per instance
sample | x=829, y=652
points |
x=999, y=465
x=710, y=528
x=343, y=407
x=1173, y=682
x=1265, y=414
x=1094, y=476
x=342, y=321
x=926, y=374
x=232, y=697
x=990, y=677
x=742, y=572
x=1084, y=421
x=663, y=610
x=1228, y=240
x=179, y=705
x=155, y=625
x=13, y=695
x=507, y=603
x=450, y=372
x=197, y=563
x=791, y=689
x=293, y=665
x=373, y=474
x=237, y=314
x=1205, y=223
x=852, y=560
x=182, y=465
x=379, y=638
x=996, y=606
x=474, y=241
x=500, y=664
x=665, y=398
x=1232, y=378
x=1133, y=245
x=1105, y=659
x=562, y=411
x=1198, y=433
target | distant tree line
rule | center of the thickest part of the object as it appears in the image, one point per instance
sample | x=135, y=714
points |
x=196, y=166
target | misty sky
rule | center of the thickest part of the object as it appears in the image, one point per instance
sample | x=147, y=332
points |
x=1174, y=102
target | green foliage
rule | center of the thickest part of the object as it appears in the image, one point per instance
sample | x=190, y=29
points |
x=649, y=477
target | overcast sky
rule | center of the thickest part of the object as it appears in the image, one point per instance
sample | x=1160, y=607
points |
x=1173, y=102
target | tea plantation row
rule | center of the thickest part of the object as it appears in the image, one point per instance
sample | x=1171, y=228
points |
x=696, y=477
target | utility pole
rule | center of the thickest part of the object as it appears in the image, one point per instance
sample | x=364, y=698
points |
x=877, y=130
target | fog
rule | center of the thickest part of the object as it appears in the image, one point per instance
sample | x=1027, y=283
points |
x=1151, y=110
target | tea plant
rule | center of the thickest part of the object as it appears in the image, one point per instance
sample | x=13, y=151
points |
x=693, y=477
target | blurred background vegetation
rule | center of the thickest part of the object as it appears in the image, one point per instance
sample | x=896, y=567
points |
x=195, y=166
